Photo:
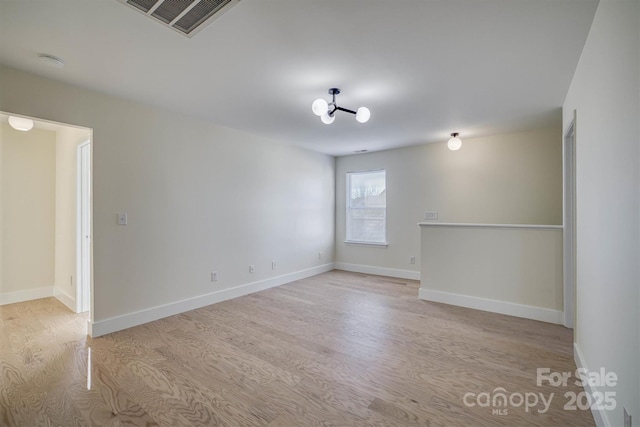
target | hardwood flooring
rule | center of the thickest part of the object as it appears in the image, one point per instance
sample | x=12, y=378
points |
x=339, y=349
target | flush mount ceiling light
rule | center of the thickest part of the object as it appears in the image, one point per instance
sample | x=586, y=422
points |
x=326, y=110
x=21, y=123
x=454, y=142
x=51, y=60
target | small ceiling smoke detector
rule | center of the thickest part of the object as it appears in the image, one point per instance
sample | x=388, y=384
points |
x=52, y=61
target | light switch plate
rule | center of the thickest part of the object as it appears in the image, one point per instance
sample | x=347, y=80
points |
x=122, y=218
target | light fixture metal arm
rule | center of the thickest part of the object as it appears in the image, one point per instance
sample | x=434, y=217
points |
x=333, y=92
x=345, y=110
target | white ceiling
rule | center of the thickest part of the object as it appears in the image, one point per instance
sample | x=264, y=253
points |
x=425, y=68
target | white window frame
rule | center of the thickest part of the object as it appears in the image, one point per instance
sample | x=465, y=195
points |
x=349, y=241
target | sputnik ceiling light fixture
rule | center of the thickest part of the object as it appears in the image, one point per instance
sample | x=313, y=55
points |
x=454, y=142
x=326, y=110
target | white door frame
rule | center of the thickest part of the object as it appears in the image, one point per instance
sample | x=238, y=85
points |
x=569, y=221
x=83, y=228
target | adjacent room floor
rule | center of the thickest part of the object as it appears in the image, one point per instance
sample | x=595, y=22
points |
x=340, y=349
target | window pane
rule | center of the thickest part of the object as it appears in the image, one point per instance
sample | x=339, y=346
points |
x=366, y=207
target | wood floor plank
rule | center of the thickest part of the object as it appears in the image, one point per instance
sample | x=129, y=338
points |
x=337, y=349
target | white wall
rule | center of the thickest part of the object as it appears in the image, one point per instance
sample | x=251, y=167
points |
x=514, y=270
x=1, y=214
x=28, y=207
x=67, y=141
x=604, y=92
x=512, y=178
x=199, y=198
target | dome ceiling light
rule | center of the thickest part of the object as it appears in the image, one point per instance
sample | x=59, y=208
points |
x=21, y=123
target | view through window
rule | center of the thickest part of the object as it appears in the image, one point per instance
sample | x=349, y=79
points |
x=367, y=207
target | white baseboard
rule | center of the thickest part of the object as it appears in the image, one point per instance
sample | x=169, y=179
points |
x=26, y=295
x=599, y=415
x=65, y=298
x=494, y=306
x=129, y=320
x=378, y=271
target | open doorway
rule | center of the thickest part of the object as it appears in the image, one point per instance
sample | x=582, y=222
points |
x=45, y=204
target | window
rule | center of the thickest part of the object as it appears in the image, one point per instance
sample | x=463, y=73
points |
x=367, y=207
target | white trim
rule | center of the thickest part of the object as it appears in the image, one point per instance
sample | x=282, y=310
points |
x=471, y=225
x=83, y=284
x=599, y=415
x=568, y=219
x=356, y=243
x=129, y=320
x=378, y=271
x=494, y=306
x=26, y=295
x=65, y=298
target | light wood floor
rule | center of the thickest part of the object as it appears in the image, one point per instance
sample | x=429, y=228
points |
x=339, y=349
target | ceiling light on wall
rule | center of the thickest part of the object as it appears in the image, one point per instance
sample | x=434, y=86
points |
x=326, y=110
x=21, y=123
x=51, y=60
x=454, y=142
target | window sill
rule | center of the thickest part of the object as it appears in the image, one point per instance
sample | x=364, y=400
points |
x=355, y=243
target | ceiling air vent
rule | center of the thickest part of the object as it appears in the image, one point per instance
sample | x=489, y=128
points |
x=185, y=16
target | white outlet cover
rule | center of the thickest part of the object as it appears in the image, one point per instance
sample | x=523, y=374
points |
x=431, y=215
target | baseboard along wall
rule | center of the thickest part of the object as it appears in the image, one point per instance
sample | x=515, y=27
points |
x=129, y=320
x=494, y=306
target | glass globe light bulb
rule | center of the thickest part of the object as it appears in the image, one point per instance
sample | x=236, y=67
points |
x=454, y=142
x=363, y=114
x=319, y=107
x=327, y=119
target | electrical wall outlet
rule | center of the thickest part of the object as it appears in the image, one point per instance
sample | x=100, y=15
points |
x=431, y=215
x=273, y=265
x=412, y=260
x=252, y=269
x=627, y=418
x=319, y=255
x=214, y=276
x=122, y=218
